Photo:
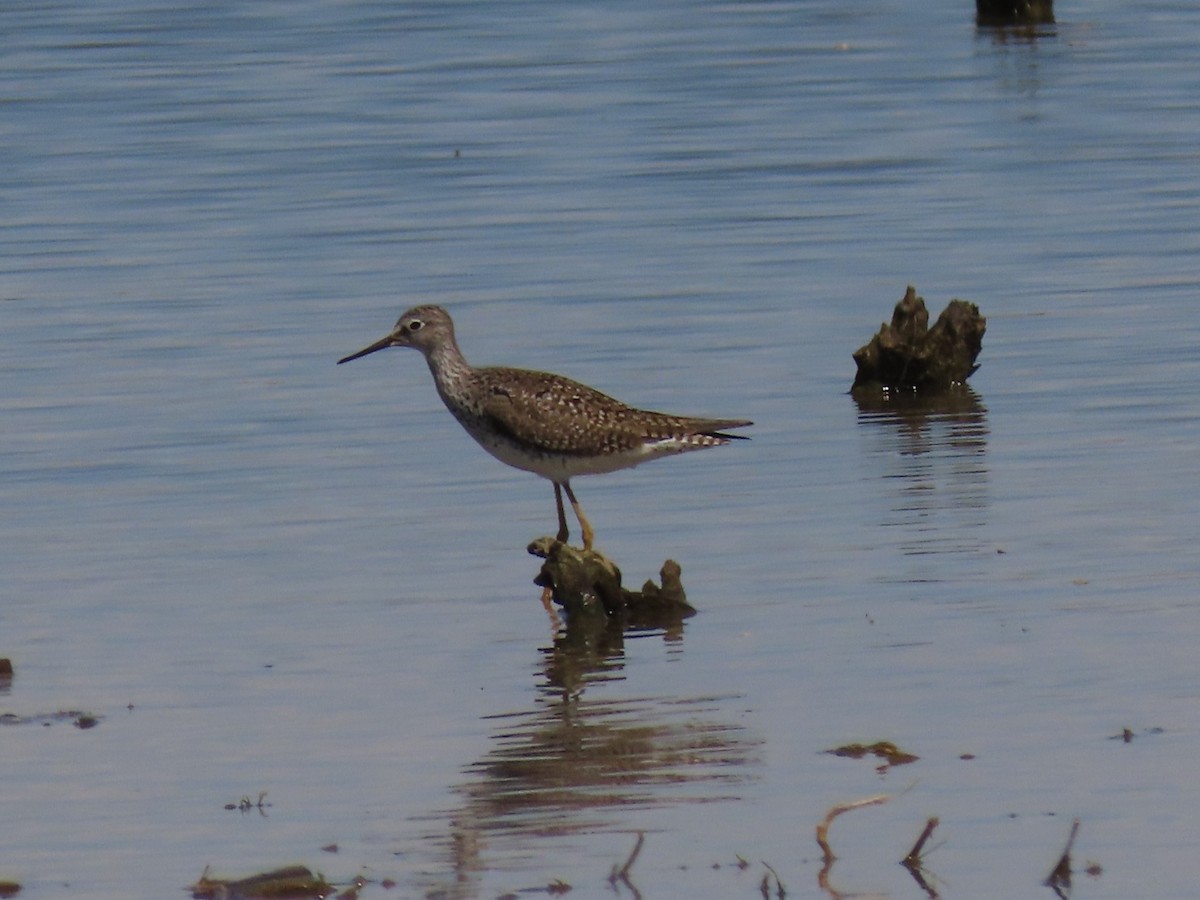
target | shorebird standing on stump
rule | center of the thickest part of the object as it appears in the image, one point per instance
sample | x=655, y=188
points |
x=545, y=423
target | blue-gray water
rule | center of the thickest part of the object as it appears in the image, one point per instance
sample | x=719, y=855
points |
x=266, y=573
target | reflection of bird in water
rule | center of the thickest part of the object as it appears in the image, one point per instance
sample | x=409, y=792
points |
x=544, y=423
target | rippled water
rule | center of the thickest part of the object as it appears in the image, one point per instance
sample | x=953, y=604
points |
x=264, y=573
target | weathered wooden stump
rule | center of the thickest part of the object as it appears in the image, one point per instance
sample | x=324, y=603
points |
x=908, y=355
x=587, y=585
x=1014, y=12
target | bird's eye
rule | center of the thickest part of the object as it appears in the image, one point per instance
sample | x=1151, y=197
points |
x=416, y=325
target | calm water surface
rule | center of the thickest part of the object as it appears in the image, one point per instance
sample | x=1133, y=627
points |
x=264, y=573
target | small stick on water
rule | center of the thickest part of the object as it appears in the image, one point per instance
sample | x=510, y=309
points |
x=1060, y=875
x=834, y=812
x=622, y=874
x=913, y=859
x=916, y=865
x=780, y=892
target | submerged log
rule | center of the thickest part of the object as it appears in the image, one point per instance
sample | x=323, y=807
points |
x=587, y=585
x=1014, y=12
x=908, y=355
x=293, y=882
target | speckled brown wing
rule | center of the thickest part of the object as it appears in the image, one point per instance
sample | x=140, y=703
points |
x=554, y=414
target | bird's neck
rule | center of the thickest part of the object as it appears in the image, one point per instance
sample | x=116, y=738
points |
x=448, y=367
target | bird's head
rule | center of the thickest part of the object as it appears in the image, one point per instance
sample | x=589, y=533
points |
x=422, y=327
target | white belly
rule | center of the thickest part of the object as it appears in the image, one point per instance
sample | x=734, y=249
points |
x=560, y=468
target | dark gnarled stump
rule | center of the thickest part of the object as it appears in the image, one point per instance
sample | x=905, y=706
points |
x=587, y=585
x=908, y=355
x=1014, y=12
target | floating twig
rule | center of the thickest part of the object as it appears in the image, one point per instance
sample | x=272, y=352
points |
x=834, y=812
x=916, y=865
x=622, y=873
x=913, y=859
x=1059, y=879
x=780, y=891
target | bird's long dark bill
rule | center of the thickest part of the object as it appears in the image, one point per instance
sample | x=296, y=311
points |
x=378, y=345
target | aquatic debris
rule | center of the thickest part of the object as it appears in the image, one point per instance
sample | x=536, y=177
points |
x=81, y=720
x=290, y=882
x=1128, y=734
x=1014, y=12
x=885, y=750
x=915, y=863
x=246, y=804
x=912, y=861
x=9, y=888
x=913, y=857
x=555, y=888
x=833, y=813
x=764, y=886
x=909, y=356
x=1059, y=879
x=621, y=875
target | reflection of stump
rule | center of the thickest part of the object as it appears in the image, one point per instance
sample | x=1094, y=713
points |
x=908, y=355
x=1014, y=12
x=587, y=585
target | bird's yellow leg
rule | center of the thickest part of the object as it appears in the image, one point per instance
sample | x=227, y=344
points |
x=563, y=533
x=585, y=527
